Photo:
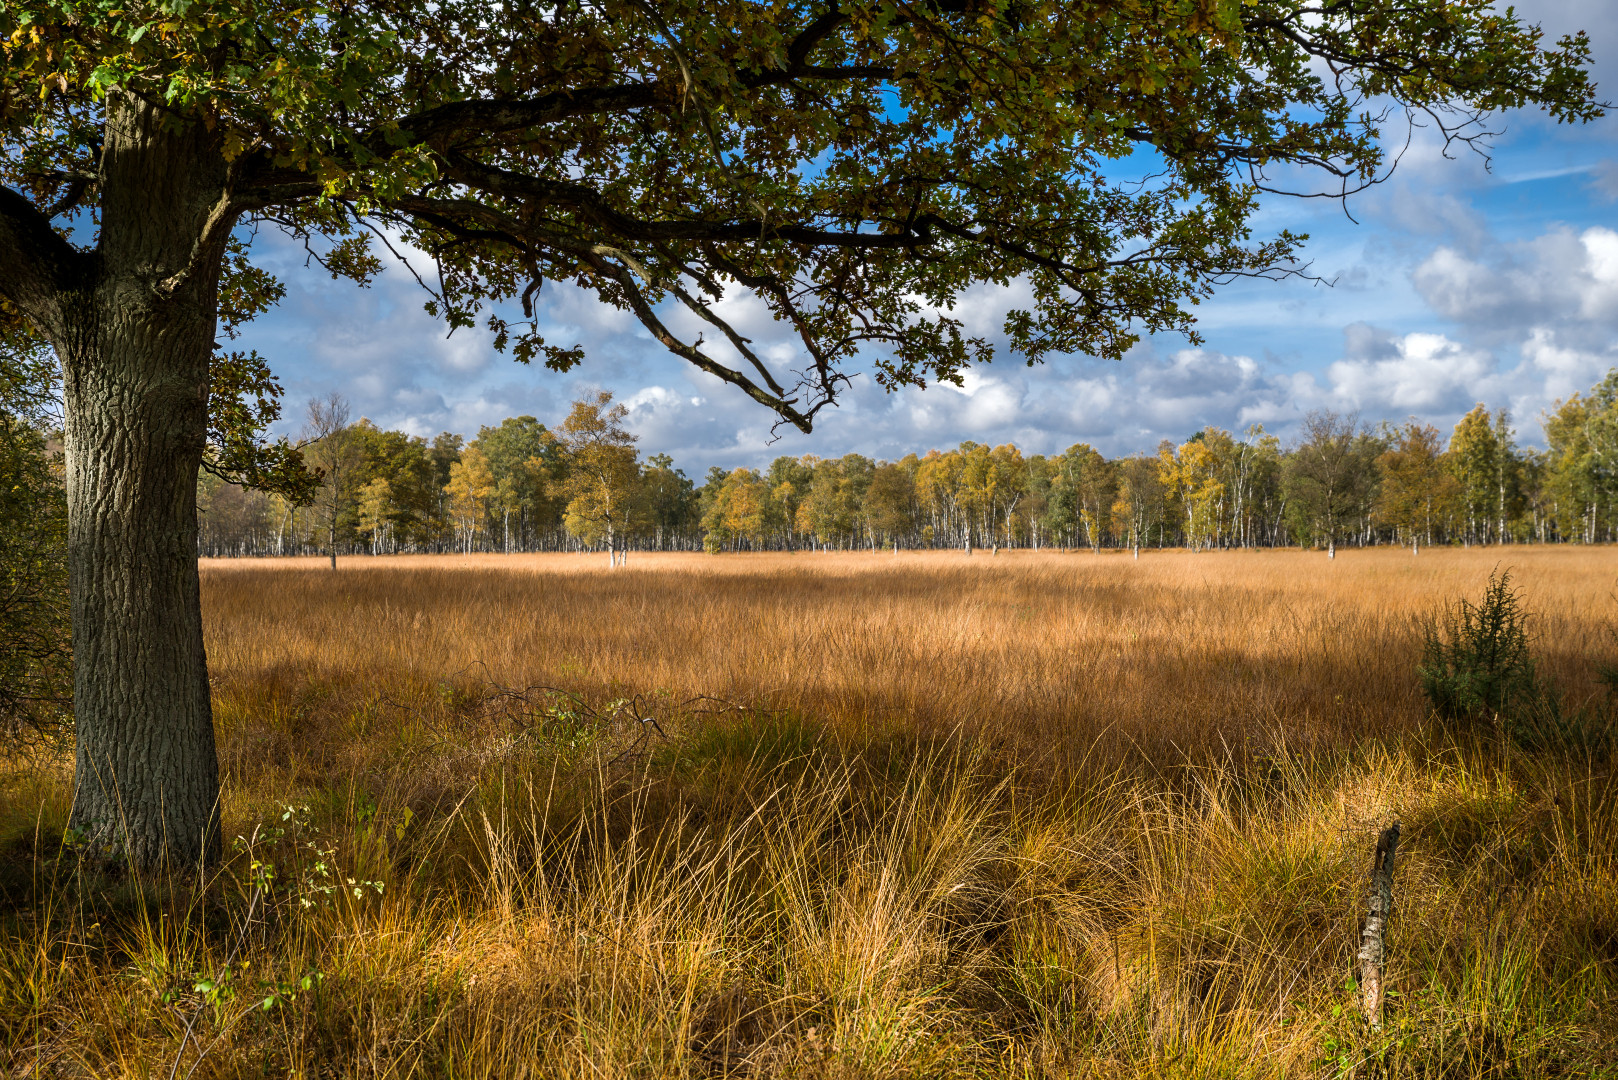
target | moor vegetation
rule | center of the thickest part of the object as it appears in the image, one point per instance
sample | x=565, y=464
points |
x=857, y=815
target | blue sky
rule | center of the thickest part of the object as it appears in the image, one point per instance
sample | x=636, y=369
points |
x=1455, y=285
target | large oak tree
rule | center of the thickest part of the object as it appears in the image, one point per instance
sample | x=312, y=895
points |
x=854, y=163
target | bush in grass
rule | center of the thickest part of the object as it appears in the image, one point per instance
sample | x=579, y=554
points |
x=1477, y=667
x=1476, y=663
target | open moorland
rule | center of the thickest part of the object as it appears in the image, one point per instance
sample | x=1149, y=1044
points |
x=844, y=815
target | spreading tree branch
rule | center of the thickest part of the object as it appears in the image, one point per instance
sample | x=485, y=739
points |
x=36, y=264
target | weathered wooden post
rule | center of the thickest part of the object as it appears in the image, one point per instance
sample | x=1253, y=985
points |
x=1373, y=938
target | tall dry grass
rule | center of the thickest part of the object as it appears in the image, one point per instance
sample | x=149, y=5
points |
x=913, y=815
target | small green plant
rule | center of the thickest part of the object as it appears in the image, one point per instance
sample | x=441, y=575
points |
x=319, y=879
x=1476, y=664
x=316, y=879
x=1477, y=667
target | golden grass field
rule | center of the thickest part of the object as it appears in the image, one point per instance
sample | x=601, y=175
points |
x=914, y=815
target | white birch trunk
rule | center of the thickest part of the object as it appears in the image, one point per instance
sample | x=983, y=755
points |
x=1373, y=937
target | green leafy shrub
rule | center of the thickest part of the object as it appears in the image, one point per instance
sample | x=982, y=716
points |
x=1477, y=666
x=1476, y=663
x=35, y=655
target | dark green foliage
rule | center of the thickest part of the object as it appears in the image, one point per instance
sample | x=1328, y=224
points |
x=415, y=492
x=671, y=499
x=36, y=681
x=1477, y=667
x=1476, y=664
x=244, y=399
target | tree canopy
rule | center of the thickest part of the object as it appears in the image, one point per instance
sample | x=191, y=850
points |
x=853, y=165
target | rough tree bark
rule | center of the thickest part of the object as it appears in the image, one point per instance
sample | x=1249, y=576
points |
x=135, y=333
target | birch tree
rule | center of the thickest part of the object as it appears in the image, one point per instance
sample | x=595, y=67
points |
x=603, y=482
x=332, y=454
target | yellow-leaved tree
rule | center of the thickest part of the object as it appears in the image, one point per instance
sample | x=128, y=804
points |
x=739, y=512
x=605, y=501
x=471, y=485
x=375, y=513
x=1192, y=473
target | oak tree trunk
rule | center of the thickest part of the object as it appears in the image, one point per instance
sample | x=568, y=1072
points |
x=135, y=348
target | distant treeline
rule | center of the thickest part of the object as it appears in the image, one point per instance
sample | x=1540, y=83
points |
x=523, y=487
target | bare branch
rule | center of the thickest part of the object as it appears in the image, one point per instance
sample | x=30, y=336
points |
x=441, y=126
x=588, y=203
x=77, y=184
x=742, y=345
x=365, y=223
x=210, y=240
x=638, y=303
